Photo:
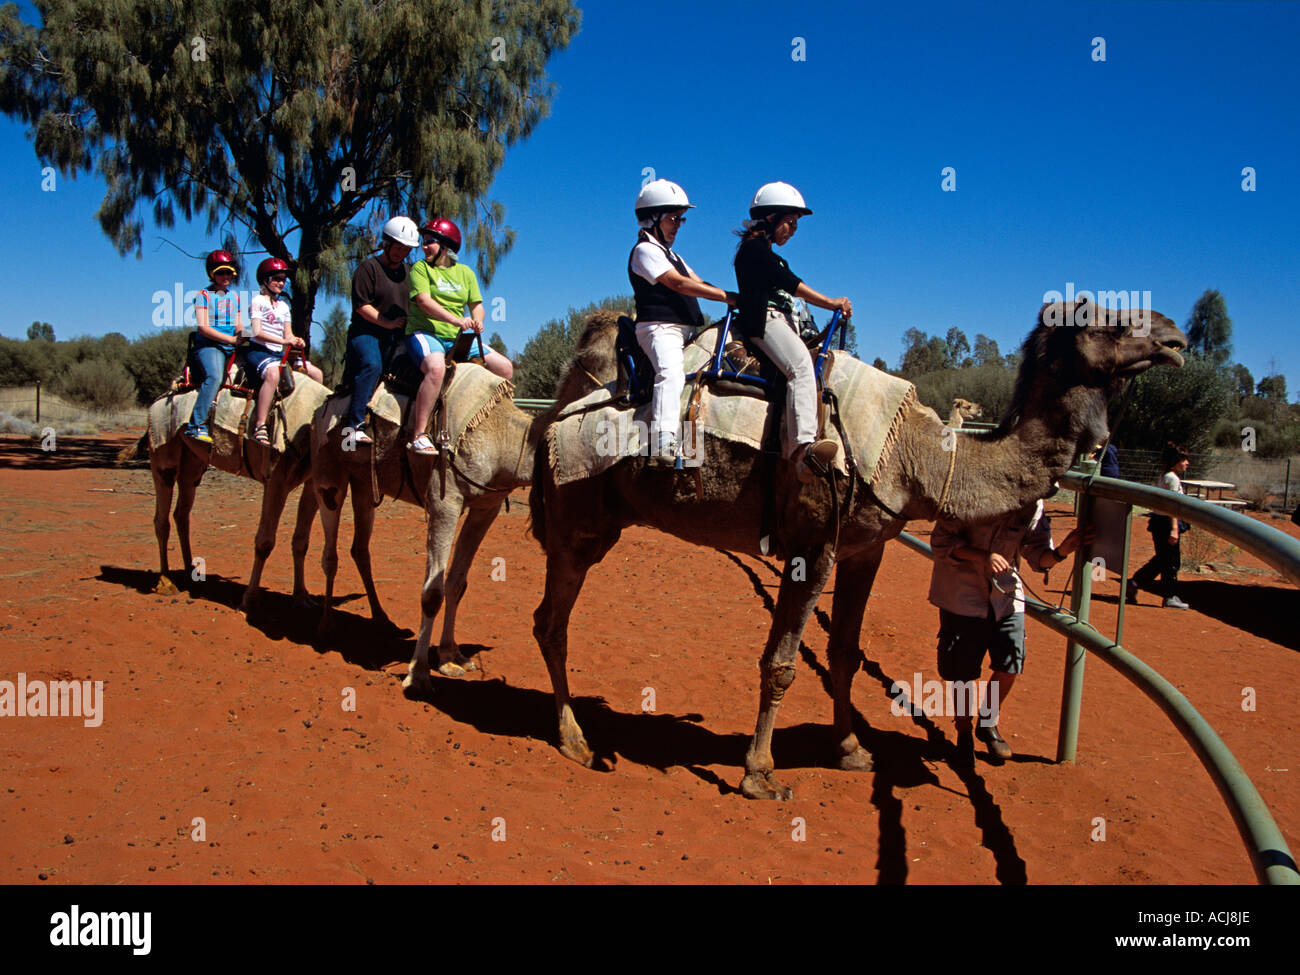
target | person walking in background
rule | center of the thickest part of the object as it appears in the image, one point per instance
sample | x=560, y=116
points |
x=1165, y=533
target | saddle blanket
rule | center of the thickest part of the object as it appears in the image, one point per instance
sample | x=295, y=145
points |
x=288, y=421
x=470, y=397
x=593, y=434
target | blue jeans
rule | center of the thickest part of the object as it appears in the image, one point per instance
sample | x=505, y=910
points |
x=212, y=362
x=368, y=350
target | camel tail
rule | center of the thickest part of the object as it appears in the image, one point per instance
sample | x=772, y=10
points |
x=537, y=490
x=136, y=451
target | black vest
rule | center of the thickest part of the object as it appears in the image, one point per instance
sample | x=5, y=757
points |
x=658, y=302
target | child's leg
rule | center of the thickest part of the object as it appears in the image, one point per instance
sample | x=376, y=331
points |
x=213, y=362
x=366, y=362
x=434, y=366
x=266, y=392
x=497, y=364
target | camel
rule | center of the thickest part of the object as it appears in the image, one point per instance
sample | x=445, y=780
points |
x=1058, y=410
x=495, y=458
x=178, y=462
x=963, y=410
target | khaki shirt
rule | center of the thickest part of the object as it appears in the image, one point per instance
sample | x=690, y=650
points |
x=966, y=588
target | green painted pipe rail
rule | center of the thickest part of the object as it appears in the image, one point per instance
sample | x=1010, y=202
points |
x=1270, y=855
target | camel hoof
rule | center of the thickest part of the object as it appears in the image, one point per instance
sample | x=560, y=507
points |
x=455, y=664
x=305, y=601
x=764, y=785
x=165, y=587
x=450, y=668
x=578, y=752
x=417, y=685
x=858, y=760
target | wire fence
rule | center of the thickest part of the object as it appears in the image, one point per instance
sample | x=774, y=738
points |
x=1262, y=482
x=24, y=406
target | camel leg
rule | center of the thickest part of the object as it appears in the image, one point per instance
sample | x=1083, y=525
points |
x=363, y=526
x=329, y=556
x=794, y=604
x=187, y=481
x=853, y=581
x=442, y=516
x=307, y=505
x=565, y=573
x=164, y=481
x=275, y=492
x=477, y=524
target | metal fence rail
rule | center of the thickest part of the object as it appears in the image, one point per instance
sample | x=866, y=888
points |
x=1270, y=856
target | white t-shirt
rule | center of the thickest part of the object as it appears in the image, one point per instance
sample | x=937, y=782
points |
x=272, y=319
x=650, y=261
x=1170, y=482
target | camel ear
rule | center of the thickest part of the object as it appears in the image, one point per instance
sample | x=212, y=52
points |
x=1054, y=313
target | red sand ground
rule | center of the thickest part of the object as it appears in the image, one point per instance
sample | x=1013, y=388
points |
x=207, y=716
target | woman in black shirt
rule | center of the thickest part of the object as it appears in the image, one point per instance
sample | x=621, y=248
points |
x=767, y=289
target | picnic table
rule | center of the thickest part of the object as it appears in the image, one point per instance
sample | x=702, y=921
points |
x=1212, y=491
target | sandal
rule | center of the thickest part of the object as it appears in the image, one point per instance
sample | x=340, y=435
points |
x=816, y=460
x=423, y=445
x=260, y=435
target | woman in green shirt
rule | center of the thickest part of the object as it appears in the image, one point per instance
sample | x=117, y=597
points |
x=442, y=292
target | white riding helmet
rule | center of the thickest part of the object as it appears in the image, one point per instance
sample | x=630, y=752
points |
x=402, y=230
x=777, y=198
x=661, y=194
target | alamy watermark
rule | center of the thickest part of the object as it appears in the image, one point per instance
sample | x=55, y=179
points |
x=1082, y=315
x=76, y=928
x=945, y=698
x=53, y=699
x=626, y=437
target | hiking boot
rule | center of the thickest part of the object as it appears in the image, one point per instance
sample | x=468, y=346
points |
x=999, y=750
x=665, y=456
x=423, y=445
x=1131, y=592
x=200, y=434
x=1173, y=602
x=816, y=460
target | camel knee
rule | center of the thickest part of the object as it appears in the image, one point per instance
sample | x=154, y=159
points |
x=777, y=678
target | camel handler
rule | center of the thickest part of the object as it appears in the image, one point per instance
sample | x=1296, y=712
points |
x=441, y=292
x=380, y=298
x=767, y=291
x=976, y=584
x=667, y=312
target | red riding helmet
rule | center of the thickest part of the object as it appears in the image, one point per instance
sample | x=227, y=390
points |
x=272, y=265
x=221, y=261
x=444, y=232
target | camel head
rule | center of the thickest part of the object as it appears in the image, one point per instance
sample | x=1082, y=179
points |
x=1093, y=345
x=965, y=409
x=1078, y=356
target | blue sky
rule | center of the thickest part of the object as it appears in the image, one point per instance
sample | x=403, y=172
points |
x=1124, y=174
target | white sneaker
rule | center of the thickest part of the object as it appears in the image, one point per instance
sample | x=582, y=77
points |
x=1173, y=602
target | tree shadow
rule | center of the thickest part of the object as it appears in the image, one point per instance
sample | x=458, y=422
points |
x=903, y=761
x=25, y=453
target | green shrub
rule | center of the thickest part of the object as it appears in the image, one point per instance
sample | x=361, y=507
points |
x=98, y=385
x=155, y=360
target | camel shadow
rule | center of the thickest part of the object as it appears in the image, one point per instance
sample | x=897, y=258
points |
x=67, y=453
x=659, y=741
x=903, y=761
x=358, y=639
x=1267, y=612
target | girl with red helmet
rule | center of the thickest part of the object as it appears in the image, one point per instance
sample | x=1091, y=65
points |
x=269, y=314
x=219, y=328
x=442, y=291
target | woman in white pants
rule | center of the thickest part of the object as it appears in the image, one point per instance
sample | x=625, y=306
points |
x=767, y=291
x=667, y=312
